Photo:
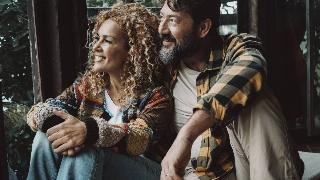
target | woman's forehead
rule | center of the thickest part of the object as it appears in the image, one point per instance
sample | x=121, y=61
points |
x=110, y=28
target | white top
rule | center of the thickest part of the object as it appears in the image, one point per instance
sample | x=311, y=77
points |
x=113, y=110
x=185, y=98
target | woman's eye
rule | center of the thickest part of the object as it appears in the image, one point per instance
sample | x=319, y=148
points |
x=96, y=38
x=107, y=41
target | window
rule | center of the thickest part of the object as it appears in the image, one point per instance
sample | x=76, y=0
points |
x=313, y=66
x=228, y=11
x=228, y=17
x=17, y=93
x=109, y=3
x=304, y=17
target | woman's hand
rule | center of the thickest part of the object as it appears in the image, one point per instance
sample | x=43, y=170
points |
x=69, y=136
x=72, y=151
x=32, y=123
x=31, y=120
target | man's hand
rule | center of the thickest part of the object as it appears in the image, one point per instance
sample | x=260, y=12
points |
x=176, y=160
x=178, y=156
x=67, y=137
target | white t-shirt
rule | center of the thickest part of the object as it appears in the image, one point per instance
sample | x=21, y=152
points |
x=185, y=98
x=113, y=110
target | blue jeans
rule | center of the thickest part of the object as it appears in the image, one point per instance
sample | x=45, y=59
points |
x=90, y=163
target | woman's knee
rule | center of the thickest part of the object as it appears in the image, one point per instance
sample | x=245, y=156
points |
x=40, y=141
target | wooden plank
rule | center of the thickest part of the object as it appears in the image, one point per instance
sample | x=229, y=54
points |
x=311, y=57
x=33, y=52
x=3, y=154
x=58, y=38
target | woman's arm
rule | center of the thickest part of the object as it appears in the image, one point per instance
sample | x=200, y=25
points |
x=150, y=125
x=39, y=113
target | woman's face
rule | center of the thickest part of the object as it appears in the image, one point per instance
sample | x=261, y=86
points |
x=110, y=51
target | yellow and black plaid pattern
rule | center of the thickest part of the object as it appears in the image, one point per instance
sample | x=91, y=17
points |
x=234, y=72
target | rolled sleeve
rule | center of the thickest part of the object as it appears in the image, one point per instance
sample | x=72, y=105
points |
x=241, y=76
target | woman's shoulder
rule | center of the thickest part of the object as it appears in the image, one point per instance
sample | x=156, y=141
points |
x=84, y=91
x=156, y=95
x=159, y=91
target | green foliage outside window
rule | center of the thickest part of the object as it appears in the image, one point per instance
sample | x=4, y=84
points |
x=15, y=51
x=16, y=82
x=108, y=3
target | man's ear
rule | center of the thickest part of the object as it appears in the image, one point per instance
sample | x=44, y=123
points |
x=205, y=27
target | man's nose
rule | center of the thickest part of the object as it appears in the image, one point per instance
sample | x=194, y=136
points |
x=163, y=27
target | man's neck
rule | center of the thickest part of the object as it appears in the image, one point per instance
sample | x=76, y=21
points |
x=197, y=61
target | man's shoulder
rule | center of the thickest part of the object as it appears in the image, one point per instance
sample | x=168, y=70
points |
x=240, y=36
x=234, y=42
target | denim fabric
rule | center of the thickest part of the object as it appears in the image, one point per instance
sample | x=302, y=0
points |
x=90, y=163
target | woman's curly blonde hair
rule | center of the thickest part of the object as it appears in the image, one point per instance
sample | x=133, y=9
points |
x=143, y=67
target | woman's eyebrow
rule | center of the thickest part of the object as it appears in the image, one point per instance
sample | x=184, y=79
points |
x=108, y=36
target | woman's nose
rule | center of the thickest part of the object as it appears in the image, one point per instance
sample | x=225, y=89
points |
x=97, y=46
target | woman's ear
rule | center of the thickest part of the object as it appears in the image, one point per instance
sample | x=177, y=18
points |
x=205, y=27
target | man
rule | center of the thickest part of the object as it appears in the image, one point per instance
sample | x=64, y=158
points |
x=220, y=93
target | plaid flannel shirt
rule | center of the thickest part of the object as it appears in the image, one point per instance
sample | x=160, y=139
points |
x=234, y=72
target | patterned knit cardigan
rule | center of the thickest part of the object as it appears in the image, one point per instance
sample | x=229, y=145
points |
x=147, y=126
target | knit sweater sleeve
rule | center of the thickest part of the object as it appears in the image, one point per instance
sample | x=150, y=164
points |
x=139, y=133
x=67, y=101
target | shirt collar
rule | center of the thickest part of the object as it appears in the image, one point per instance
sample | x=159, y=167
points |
x=214, y=62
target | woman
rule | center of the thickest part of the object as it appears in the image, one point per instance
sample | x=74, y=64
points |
x=117, y=107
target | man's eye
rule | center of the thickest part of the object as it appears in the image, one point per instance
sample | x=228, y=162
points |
x=173, y=20
x=161, y=18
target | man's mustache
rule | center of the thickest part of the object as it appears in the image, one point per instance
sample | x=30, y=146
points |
x=167, y=37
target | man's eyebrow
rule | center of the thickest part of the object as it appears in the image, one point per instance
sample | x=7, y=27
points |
x=171, y=15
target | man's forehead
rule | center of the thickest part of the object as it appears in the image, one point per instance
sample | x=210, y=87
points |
x=166, y=11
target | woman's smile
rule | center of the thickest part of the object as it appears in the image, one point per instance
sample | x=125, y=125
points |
x=99, y=58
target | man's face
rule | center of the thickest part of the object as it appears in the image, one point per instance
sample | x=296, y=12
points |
x=178, y=35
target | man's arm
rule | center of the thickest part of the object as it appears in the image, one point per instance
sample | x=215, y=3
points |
x=178, y=156
x=242, y=76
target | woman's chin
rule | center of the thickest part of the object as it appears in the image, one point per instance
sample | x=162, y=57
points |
x=97, y=69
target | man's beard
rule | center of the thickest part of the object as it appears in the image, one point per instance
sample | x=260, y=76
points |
x=185, y=48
